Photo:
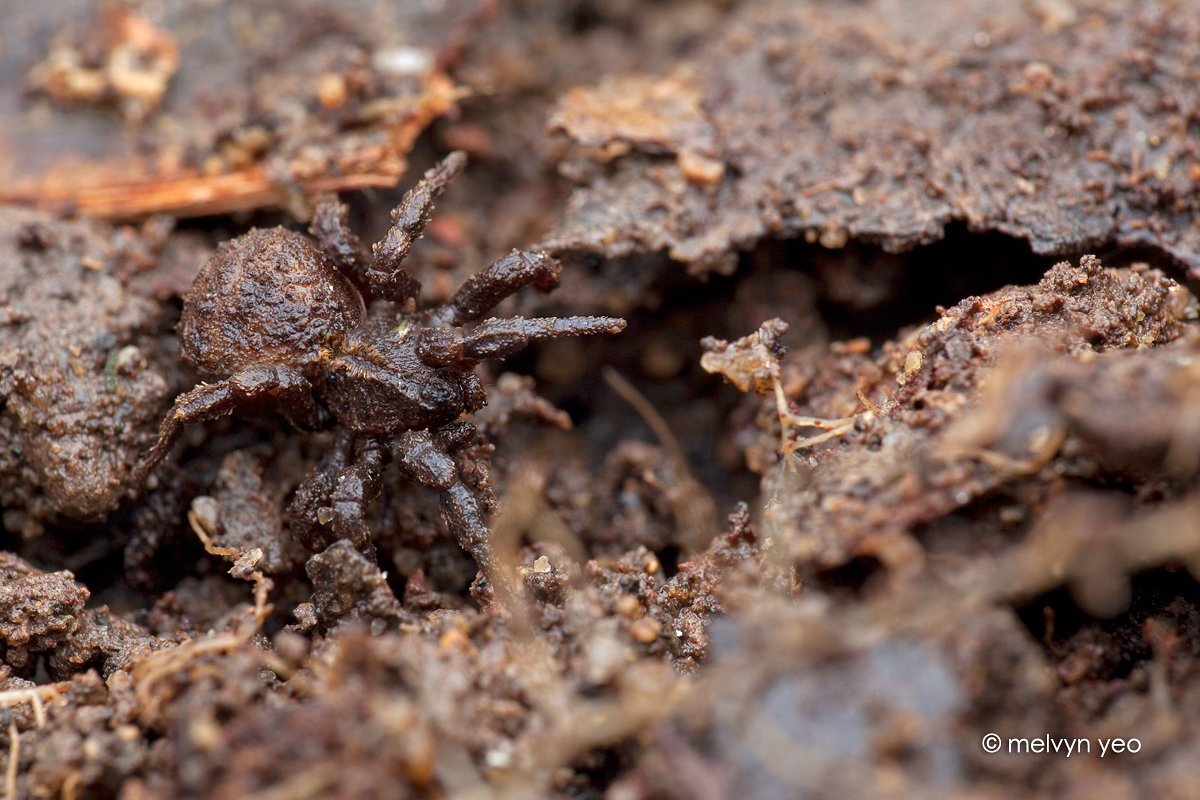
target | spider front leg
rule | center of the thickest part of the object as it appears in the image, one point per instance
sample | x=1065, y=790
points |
x=337, y=493
x=388, y=279
x=423, y=458
x=501, y=338
x=209, y=401
x=480, y=293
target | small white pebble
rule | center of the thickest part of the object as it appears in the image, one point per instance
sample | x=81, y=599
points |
x=403, y=60
x=207, y=512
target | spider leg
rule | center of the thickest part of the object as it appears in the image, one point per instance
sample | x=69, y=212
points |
x=459, y=437
x=461, y=511
x=209, y=401
x=387, y=278
x=480, y=293
x=331, y=226
x=358, y=484
x=313, y=494
x=501, y=338
x=347, y=480
x=424, y=459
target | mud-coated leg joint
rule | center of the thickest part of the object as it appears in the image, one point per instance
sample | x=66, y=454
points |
x=357, y=485
x=501, y=338
x=464, y=519
x=305, y=513
x=209, y=401
x=423, y=460
x=480, y=293
x=331, y=226
x=388, y=279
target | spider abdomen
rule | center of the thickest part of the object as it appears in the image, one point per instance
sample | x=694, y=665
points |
x=269, y=297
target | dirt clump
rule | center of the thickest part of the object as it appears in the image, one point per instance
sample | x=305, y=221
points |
x=40, y=610
x=885, y=122
x=917, y=453
x=81, y=370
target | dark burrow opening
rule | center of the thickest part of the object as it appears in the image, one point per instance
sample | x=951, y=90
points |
x=824, y=295
x=865, y=291
x=846, y=584
x=1164, y=603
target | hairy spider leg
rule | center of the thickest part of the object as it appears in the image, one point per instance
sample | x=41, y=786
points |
x=424, y=458
x=312, y=495
x=463, y=517
x=351, y=477
x=285, y=384
x=388, y=279
x=331, y=227
x=501, y=338
x=338, y=492
x=358, y=484
x=455, y=436
x=481, y=292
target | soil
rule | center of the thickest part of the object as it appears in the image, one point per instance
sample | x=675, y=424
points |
x=898, y=450
x=1064, y=124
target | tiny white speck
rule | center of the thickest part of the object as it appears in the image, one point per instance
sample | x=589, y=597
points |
x=403, y=60
x=982, y=39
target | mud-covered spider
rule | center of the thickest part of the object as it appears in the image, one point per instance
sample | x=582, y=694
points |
x=276, y=314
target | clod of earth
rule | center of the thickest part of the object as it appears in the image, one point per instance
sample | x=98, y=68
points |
x=985, y=403
x=81, y=372
x=884, y=122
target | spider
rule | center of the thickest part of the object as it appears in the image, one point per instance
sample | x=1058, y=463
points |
x=278, y=315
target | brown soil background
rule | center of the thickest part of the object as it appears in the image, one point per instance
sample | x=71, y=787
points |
x=978, y=222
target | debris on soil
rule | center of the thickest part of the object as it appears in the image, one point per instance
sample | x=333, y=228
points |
x=663, y=116
x=884, y=122
x=38, y=610
x=752, y=362
x=513, y=397
x=347, y=587
x=136, y=62
x=693, y=507
x=247, y=513
x=919, y=455
x=258, y=104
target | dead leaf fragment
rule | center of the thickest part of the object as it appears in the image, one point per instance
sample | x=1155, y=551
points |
x=661, y=115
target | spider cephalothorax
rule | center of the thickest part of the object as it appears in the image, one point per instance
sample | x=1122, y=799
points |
x=280, y=315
